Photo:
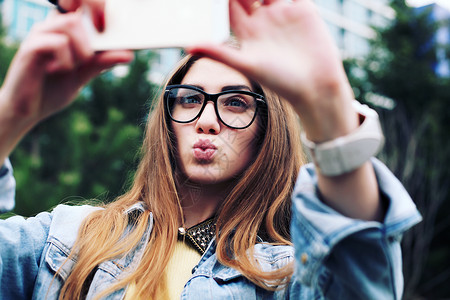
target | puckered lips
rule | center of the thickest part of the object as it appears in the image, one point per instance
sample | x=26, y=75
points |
x=204, y=150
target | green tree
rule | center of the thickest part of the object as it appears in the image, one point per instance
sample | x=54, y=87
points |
x=7, y=52
x=399, y=70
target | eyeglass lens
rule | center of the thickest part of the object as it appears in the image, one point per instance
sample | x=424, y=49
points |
x=235, y=109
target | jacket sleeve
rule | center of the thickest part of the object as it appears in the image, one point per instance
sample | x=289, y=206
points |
x=7, y=187
x=21, y=244
x=342, y=258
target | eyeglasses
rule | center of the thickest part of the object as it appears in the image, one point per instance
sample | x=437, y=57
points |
x=236, y=109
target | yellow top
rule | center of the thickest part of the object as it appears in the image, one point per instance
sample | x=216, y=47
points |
x=177, y=273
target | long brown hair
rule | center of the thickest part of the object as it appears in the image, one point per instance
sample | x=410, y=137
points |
x=258, y=205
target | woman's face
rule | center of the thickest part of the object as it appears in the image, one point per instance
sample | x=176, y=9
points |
x=209, y=151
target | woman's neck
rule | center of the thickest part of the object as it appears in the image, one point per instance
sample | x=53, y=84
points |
x=200, y=201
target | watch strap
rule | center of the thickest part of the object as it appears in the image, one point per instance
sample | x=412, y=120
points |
x=346, y=153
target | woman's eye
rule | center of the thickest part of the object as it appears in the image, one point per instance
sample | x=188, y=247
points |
x=189, y=100
x=236, y=102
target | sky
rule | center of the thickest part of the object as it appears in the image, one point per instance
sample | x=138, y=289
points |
x=444, y=3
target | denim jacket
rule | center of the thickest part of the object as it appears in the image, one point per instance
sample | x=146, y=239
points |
x=335, y=257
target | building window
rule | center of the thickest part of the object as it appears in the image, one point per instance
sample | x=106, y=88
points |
x=342, y=34
x=355, y=11
x=28, y=14
x=369, y=15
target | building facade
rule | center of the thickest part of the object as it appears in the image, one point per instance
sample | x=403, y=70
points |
x=20, y=15
x=441, y=38
x=351, y=22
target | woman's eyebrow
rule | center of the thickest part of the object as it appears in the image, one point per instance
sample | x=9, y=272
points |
x=195, y=85
x=235, y=87
x=226, y=88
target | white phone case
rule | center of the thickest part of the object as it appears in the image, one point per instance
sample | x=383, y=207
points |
x=141, y=24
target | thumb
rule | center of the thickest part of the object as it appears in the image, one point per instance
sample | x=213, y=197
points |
x=103, y=61
x=225, y=54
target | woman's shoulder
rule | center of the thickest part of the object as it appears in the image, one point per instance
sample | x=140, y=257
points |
x=72, y=214
x=272, y=256
x=66, y=221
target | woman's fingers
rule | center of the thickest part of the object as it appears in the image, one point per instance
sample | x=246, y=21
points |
x=284, y=45
x=95, y=7
x=67, y=26
x=69, y=5
x=272, y=1
x=238, y=18
x=73, y=5
x=53, y=63
x=46, y=52
x=68, y=47
x=79, y=42
x=57, y=54
x=103, y=61
x=224, y=54
x=251, y=6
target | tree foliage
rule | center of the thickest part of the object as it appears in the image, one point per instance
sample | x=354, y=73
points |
x=7, y=52
x=399, y=70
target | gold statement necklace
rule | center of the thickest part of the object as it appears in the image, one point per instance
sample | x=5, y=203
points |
x=199, y=235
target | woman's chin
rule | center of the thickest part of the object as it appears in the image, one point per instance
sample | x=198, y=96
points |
x=206, y=179
x=206, y=174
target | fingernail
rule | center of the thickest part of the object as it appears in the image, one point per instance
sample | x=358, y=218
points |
x=100, y=21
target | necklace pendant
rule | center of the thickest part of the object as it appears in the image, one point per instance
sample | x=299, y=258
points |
x=200, y=235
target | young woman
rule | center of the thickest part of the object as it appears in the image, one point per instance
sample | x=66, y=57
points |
x=220, y=207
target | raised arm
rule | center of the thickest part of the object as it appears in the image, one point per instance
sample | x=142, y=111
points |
x=340, y=252
x=96, y=8
x=50, y=67
x=286, y=46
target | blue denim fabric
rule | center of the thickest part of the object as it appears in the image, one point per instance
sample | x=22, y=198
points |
x=335, y=257
x=7, y=187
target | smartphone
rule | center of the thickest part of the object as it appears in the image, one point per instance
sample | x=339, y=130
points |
x=144, y=24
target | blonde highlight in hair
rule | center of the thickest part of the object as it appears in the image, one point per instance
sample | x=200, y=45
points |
x=258, y=205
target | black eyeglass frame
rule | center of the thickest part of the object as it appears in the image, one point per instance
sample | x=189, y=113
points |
x=260, y=100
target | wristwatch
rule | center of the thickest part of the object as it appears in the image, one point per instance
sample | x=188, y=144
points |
x=346, y=153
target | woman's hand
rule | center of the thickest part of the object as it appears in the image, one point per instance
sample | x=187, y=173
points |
x=73, y=5
x=50, y=67
x=287, y=47
x=95, y=7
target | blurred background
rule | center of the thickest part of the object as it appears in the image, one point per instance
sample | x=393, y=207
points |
x=397, y=57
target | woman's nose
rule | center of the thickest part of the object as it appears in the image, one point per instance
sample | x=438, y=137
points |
x=208, y=122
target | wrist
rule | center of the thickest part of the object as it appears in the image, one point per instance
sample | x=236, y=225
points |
x=329, y=114
x=330, y=122
x=346, y=153
x=13, y=126
x=15, y=114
